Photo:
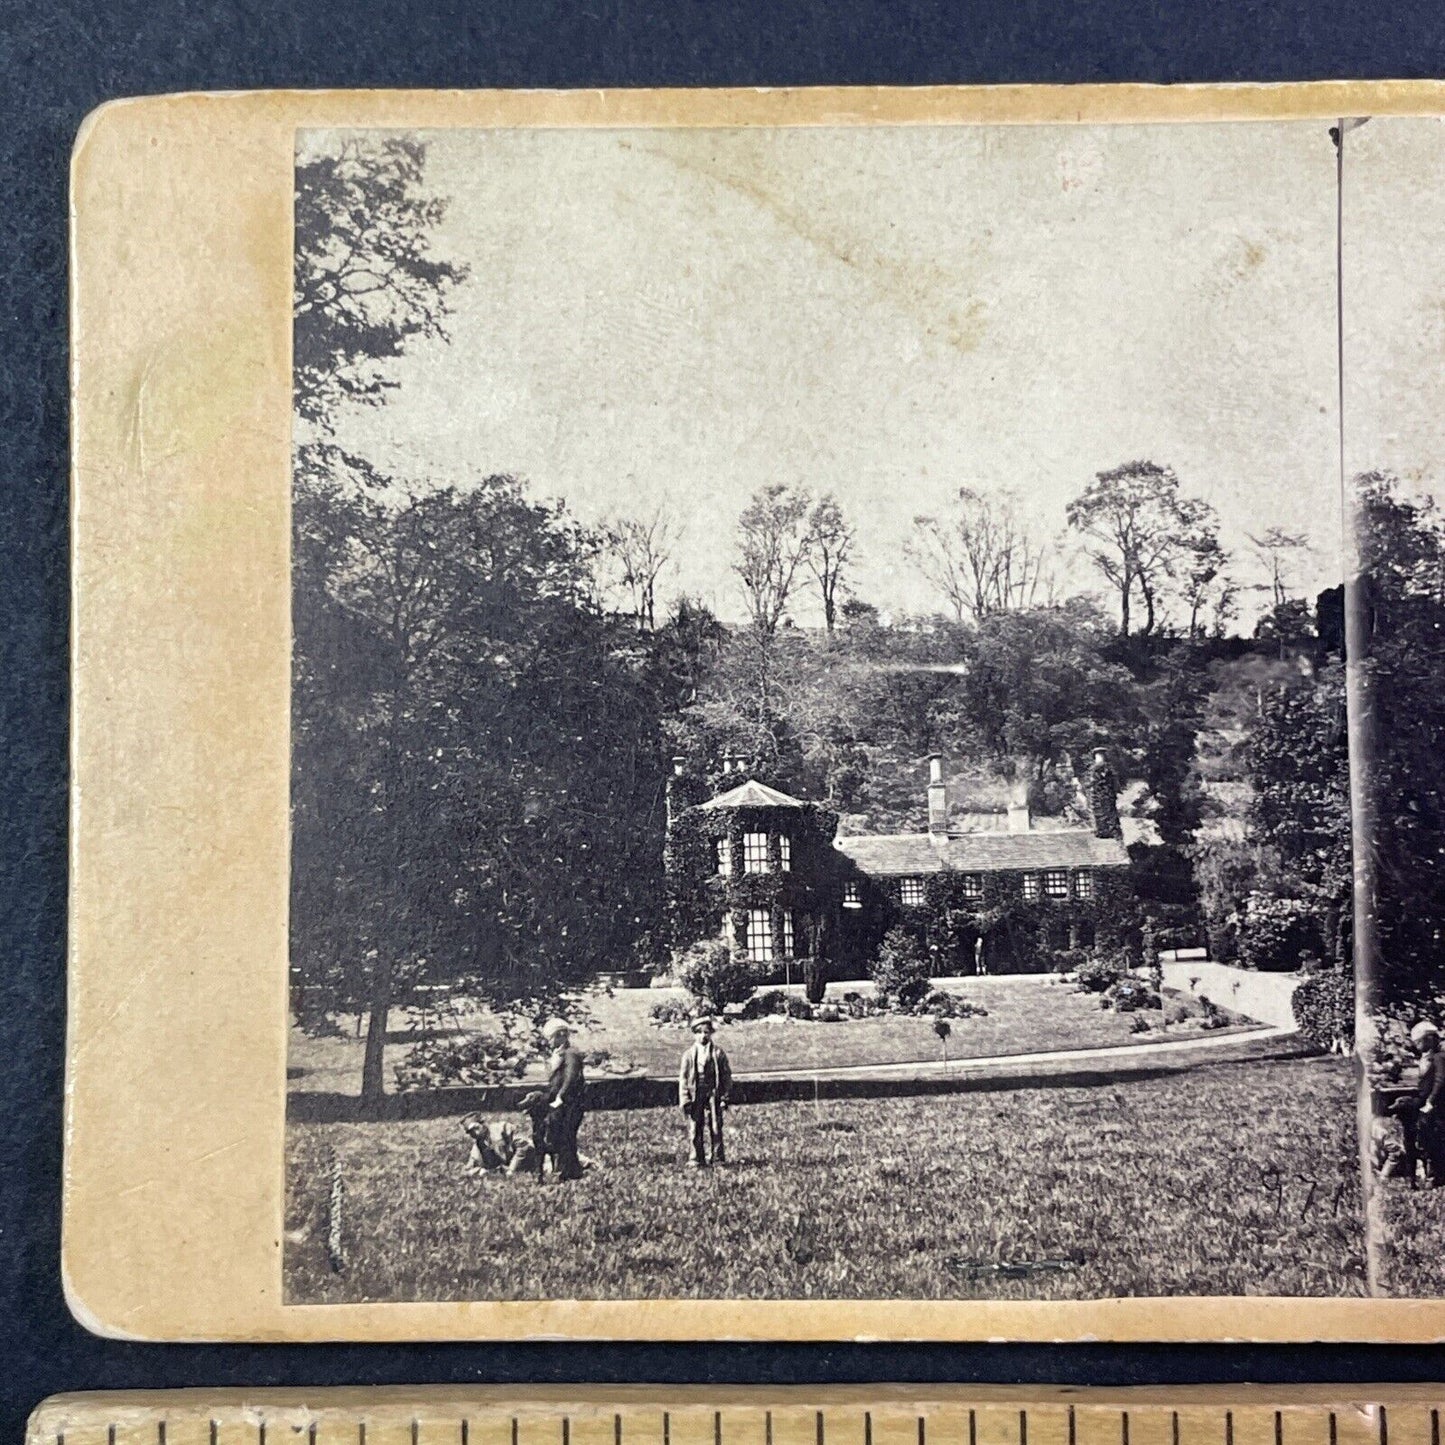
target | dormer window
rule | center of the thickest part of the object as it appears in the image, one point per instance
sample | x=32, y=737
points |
x=852, y=898
x=785, y=853
x=755, y=853
x=725, y=856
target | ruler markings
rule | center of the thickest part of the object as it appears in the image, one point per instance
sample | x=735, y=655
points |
x=1124, y=1427
x=1174, y=1426
x=868, y=1428
x=1072, y=1440
x=1384, y=1426
x=1024, y=1428
x=818, y=1427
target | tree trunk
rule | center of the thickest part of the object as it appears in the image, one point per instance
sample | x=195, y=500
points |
x=373, y=1065
x=1124, y=591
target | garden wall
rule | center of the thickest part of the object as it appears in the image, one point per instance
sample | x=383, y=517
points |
x=1264, y=997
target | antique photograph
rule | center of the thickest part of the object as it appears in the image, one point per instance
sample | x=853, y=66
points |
x=820, y=763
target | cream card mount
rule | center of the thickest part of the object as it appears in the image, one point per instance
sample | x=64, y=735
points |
x=611, y=749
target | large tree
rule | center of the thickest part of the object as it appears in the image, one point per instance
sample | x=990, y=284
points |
x=830, y=550
x=1399, y=596
x=1136, y=527
x=981, y=555
x=366, y=280
x=637, y=548
x=773, y=543
x=477, y=755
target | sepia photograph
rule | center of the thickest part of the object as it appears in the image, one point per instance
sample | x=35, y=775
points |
x=820, y=764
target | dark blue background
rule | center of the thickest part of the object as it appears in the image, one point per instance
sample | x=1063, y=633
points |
x=61, y=59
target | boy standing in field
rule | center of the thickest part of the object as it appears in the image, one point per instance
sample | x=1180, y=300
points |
x=703, y=1083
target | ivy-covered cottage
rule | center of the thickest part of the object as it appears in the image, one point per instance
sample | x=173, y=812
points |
x=986, y=892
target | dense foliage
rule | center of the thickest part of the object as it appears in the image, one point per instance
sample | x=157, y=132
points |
x=1398, y=722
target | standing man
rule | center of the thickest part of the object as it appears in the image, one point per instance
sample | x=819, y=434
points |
x=1429, y=1100
x=703, y=1084
x=566, y=1093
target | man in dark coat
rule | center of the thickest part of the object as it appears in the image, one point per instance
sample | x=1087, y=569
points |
x=566, y=1095
x=704, y=1081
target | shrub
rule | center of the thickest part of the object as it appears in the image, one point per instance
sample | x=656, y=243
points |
x=1138, y=1025
x=669, y=1012
x=944, y=1005
x=901, y=970
x=1214, y=1016
x=1128, y=995
x=715, y=973
x=1324, y=1009
x=475, y=1059
x=1069, y=960
x=773, y=1001
x=1277, y=932
x=815, y=979
x=1100, y=971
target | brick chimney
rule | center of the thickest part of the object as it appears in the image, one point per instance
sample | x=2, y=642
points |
x=1104, y=797
x=1020, y=820
x=937, y=796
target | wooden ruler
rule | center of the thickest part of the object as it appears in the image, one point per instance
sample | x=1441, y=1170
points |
x=855, y=1415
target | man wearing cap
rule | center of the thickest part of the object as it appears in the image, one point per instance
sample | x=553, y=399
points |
x=1422, y=1110
x=703, y=1083
x=566, y=1091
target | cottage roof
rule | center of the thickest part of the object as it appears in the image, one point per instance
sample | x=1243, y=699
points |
x=894, y=855
x=752, y=794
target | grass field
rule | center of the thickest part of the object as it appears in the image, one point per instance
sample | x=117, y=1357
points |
x=1409, y=1229
x=1026, y=1014
x=1228, y=1179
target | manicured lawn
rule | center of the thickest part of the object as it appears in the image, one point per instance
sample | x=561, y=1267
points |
x=1409, y=1229
x=1025, y=1015
x=1227, y=1179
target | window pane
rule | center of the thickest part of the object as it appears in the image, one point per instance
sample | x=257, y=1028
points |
x=1083, y=885
x=851, y=898
x=972, y=885
x=785, y=852
x=1031, y=885
x=912, y=891
x=1056, y=883
x=787, y=935
x=755, y=852
x=724, y=855
x=760, y=935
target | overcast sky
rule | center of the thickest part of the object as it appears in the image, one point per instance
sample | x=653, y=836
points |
x=678, y=317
